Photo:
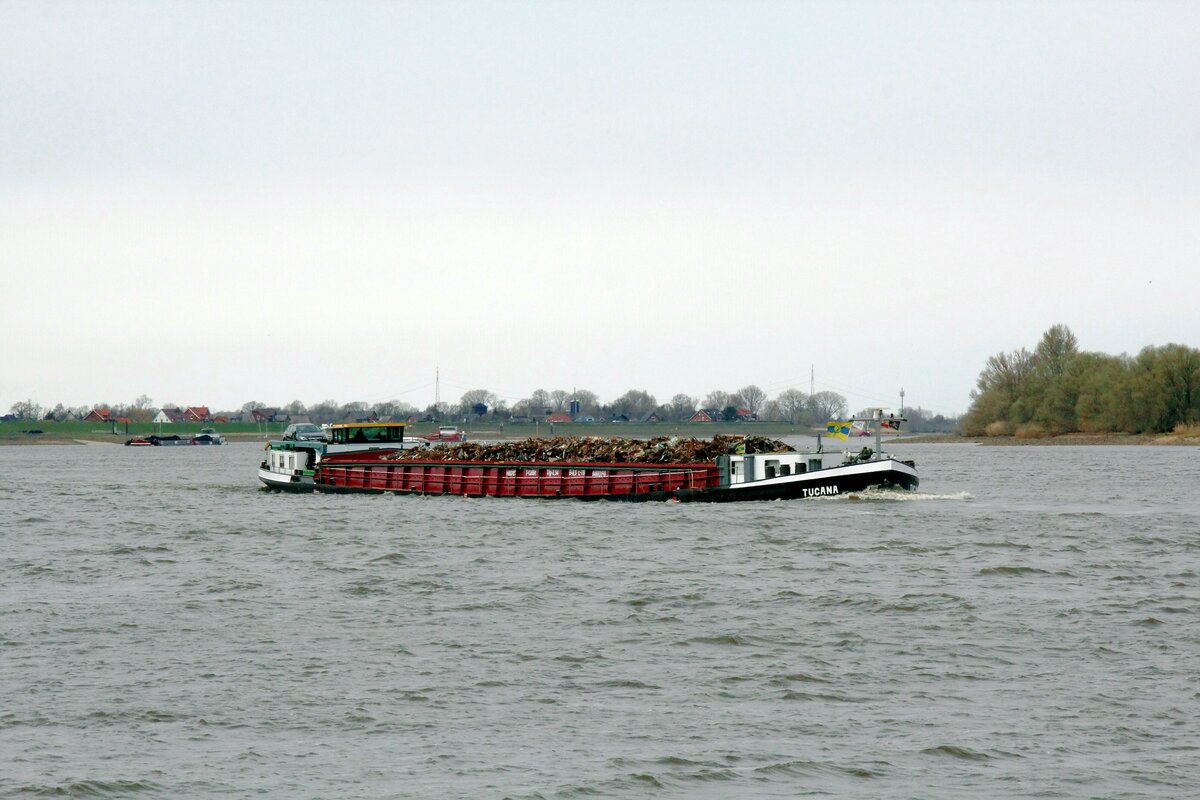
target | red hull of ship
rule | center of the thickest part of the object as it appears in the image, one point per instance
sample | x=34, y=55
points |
x=354, y=473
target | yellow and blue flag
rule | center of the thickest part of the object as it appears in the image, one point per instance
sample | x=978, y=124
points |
x=838, y=430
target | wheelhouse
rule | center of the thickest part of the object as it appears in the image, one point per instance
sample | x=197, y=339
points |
x=367, y=433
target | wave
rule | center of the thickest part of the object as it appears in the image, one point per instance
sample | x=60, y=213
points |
x=94, y=789
x=876, y=495
x=956, y=752
x=1013, y=571
x=800, y=769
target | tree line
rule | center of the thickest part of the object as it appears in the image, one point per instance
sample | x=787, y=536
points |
x=790, y=406
x=1058, y=388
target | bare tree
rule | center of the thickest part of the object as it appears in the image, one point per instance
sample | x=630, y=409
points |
x=588, y=401
x=539, y=400
x=752, y=397
x=392, y=408
x=354, y=409
x=827, y=405
x=26, y=409
x=474, y=397
x=682, y=407
x=792, y=404
x=559, y=398
x=324, y=411
x=634, y=403
x=771, y=411
x=716, y=399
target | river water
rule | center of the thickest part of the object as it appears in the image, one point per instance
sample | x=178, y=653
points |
x=1026, y=625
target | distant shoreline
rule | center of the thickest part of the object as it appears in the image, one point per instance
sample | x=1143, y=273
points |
x=1077, y=439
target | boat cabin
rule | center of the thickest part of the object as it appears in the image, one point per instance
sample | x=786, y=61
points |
x=764, y=466
x=367, y=433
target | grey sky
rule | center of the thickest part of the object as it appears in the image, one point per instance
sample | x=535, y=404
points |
x=216, y=202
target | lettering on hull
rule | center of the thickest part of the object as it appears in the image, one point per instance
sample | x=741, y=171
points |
x=819, y=491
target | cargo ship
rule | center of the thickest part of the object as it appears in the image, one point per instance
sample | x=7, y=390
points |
x=376, y=458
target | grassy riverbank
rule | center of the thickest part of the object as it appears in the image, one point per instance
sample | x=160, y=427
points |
x=48, y=432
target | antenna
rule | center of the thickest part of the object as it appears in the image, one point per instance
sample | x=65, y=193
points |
x=902, y=401
x=437, y=387
x=812, y=380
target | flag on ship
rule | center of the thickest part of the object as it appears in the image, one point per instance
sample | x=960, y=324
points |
x=838, y=430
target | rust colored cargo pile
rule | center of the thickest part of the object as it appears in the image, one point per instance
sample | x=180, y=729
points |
x=659, y=450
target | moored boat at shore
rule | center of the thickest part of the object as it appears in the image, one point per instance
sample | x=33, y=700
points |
x=154, y=440
x=208, y=436
x=380, y=462
x=446, y=433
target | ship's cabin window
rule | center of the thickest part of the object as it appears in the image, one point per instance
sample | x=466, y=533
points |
x=785, y=469
x=368, y=434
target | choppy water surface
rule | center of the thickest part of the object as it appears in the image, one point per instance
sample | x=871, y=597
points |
x=1025, y=625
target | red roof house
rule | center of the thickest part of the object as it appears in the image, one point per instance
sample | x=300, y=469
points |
x=98, y=415
x=196, y=414
x=559, y=417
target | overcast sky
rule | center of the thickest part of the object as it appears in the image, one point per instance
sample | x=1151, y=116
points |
x=210, y=203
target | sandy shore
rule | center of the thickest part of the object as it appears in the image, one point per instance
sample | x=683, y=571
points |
x=1065, y=439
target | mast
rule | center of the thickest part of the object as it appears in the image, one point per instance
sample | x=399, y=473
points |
x=876, y=416
x=878, y=432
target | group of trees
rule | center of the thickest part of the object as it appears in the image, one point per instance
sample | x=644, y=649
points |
x=791, y=405
x=140, y=410
x=1058, y=388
